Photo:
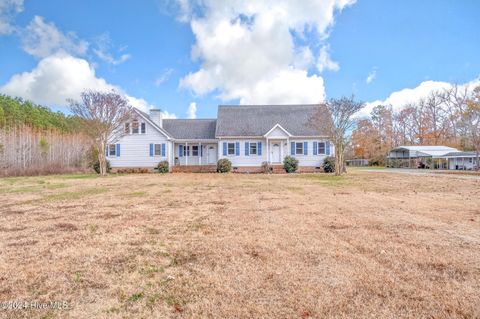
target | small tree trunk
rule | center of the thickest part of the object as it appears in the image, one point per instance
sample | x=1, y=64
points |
x=477, y=165
x=102, y=158
x=339, y=159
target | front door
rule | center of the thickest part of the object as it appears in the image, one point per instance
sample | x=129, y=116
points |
x=275, y=153
x=212, y=155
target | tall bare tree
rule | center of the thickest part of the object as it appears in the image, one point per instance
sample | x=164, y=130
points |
x=338, y=125
x=470, y=119
x=102, y=115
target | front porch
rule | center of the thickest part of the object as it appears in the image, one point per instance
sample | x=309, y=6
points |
x=200, y=154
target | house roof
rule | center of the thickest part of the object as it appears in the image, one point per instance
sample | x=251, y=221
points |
x=257, y=120
x=427, y=150
x=461, y=154
x=195, y=129
x=147, y=117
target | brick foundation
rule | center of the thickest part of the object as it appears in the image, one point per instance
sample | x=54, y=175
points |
x=194, y=169
x=276, y=169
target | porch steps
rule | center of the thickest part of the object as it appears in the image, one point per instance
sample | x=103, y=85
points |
x=278, y=169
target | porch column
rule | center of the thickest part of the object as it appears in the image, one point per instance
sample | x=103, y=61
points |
x=268, y=152
x=281, y=150
x=171, y=154
x=186, y=153
x=200, y=153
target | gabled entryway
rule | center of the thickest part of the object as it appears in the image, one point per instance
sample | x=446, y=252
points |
x=277, y=140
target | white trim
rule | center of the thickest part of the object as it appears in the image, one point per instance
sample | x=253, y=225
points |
x=238, y=136
x=161, y=130
x=274, y=127
x=303, y=147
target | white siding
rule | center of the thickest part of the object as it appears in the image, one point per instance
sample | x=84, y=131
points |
x=467, y=163
x=242, y=159
x=256, y=160
x=277, y=133
x=135, y=149
x=310, y=159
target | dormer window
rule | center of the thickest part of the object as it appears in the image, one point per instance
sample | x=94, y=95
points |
x=143, y=128
x=127, y=128
x=135, y=127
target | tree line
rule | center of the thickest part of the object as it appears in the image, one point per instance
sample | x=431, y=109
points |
x=35, y=140
x=448, y=117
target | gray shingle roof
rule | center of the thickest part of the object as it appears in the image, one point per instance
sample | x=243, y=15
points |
x=198, y=129
x=257, y=120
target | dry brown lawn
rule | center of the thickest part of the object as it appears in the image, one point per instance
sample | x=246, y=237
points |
x=376, y=245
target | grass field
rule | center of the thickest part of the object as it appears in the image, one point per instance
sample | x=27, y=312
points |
x=371, y=244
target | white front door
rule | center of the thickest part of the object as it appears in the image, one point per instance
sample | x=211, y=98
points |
x=212, y=155
x=275, y=153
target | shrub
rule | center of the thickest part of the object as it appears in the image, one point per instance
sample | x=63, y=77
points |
x=96, y=167
x=266, y=168
x=377, y=161
x=224, y=165
x=163, y=167
x=329, y=164
x=290, y=164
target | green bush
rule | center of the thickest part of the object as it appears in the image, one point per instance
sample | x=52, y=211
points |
x=163, y=167
x=329, y=164
x=96, y=166
x=224, y=165
x=290, y=164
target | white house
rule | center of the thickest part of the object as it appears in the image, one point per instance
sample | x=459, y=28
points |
x=247, y=135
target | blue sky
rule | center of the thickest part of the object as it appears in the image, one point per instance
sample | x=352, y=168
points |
x=187, y=57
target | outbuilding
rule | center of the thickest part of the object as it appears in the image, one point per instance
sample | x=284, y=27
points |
x=462, y=160
x=420, y=156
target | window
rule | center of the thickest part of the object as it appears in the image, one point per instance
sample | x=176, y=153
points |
x=253, y=148
x=194, y=150
x=231, y=148
x=186, y=150
x=111, y=150
x=127, y=128
x=299, y=148
x=143, y=128
x=321, y=148
x=135, y=127
x=158, y=149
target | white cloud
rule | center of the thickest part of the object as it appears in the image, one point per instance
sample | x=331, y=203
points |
x=247, y=49
x=104, y=44
x=303, y=58
x=324, y=61
x=163, y=77
x=371, y=76
x=54, y=80
x=60, y=77
x=42, y=39
x=192, y=111
x=402, y=98
x=8, y=9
